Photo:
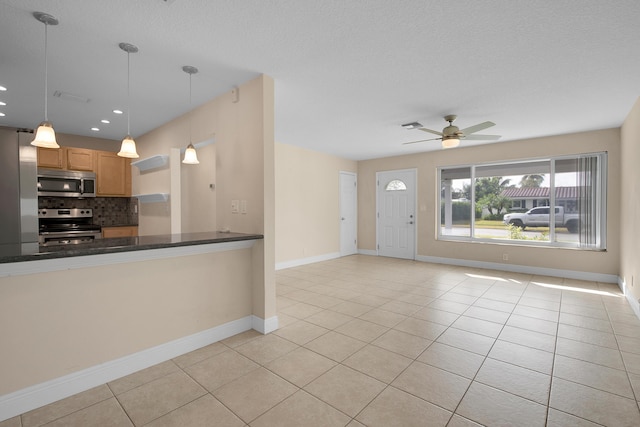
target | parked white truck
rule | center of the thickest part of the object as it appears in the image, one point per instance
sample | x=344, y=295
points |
x=539, y=217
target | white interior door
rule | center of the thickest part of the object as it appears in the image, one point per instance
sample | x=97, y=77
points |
x=396, y=201
x=348, y=212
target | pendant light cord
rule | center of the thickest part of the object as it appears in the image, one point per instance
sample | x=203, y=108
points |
x=128, y=94
x=190, y=118
x=46, y=70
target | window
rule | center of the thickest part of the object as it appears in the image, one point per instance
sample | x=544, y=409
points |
x=494, y=207
x=395, y=185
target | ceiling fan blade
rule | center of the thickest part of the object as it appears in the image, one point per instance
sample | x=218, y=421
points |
x=422, y=140
x=478, y=127
x=483, y=137
x=435, y=132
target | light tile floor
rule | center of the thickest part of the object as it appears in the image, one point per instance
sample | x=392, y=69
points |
x=368, y=341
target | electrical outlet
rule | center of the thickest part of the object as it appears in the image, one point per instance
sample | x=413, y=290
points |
x=505, y=257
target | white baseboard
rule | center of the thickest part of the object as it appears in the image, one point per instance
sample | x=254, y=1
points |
x=264, y=326
x=372, y=252
x=305, y=261
x=525, y=269
x=634, y=303
x=38, y=395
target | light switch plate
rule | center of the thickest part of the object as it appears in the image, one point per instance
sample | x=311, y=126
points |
x=235, y=206
x=243, y=206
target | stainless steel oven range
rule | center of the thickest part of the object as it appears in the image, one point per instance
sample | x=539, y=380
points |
x=67, y=227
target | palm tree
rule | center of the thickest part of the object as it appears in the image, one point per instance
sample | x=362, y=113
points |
x=532, y=181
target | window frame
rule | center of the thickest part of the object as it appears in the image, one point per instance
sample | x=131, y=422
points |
x=402, y=187
x=600, y=200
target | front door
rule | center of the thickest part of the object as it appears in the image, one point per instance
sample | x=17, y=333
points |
x=396, y=216
x=348, y=224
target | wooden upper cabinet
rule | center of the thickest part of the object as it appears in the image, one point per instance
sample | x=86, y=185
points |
x=113, y=174
x=51, y=158
x=80, y=159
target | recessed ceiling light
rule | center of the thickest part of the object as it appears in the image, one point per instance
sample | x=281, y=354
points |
x=2, y=88
x=117, y=111
x=95, y=129
x=3, y=103
x=2, y=114
x=105, y=121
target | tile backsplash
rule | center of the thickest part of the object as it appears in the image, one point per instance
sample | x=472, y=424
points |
x=107, y=211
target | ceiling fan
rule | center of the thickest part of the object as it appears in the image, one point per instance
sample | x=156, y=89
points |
x=451, y=135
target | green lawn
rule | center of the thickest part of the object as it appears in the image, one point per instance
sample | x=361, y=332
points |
x=499, y=225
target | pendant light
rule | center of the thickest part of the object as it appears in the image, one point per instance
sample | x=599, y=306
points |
x=45, y=135
x=128, y=147
x=190, y=155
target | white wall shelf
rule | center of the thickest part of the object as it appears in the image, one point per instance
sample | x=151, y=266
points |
x=152, y=162
x=152, y=197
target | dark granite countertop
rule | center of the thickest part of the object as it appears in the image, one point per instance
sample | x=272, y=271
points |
x=32, y=251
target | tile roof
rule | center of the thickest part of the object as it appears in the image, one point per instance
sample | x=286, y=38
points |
x=540, y=192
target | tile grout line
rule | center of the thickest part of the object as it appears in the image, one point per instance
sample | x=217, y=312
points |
x=484, y=359
x=553, y=360
x=636, y=397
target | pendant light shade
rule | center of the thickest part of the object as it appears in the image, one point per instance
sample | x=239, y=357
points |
x=190, y=155
x=450, y=142
x=128, y=147
x=45, y=135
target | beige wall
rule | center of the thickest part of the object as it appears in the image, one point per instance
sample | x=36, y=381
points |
x=196, y=184
x=235, y=164
x=307, y=202
x=630, y=204
x=155, y=218
x=428, y=188
x=56, y=323
x=241, y=166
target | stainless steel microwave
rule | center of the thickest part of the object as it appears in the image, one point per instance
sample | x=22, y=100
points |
x=61, y=183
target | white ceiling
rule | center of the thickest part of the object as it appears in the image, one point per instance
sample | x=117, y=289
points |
x=347, y=73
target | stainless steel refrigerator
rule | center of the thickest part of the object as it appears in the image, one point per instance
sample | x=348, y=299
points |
x=18, y=190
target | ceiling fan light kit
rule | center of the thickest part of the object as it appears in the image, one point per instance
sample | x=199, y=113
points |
x=451, y=135
x=450, y=142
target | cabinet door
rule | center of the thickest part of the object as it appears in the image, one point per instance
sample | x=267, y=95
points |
x=113, y=174
x=80, y=159
x=51, y=158
x=130, y=231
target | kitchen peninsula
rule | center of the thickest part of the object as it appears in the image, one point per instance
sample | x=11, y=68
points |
x=78, y=316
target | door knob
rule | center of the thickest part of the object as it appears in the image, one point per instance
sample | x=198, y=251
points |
x=342, y=218
x=410, y=222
